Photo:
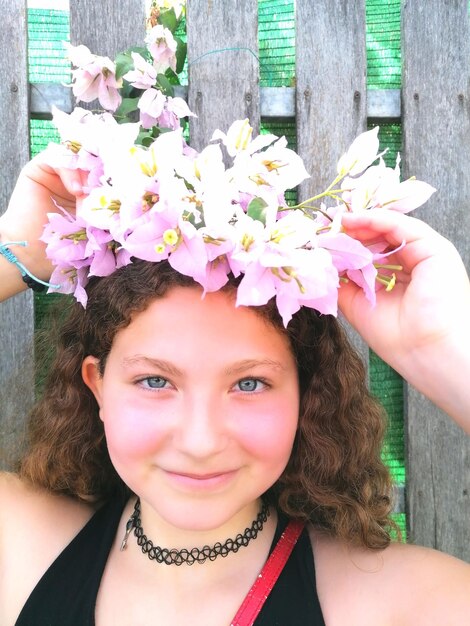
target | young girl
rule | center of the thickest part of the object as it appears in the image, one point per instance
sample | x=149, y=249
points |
x=178, y=435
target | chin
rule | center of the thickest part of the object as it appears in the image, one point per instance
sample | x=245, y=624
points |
x=207, y=515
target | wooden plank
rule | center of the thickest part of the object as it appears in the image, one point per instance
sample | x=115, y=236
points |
x=107, y=27
x=384, y=104
x=331, y=91
x=16, y=319
x=43, y=96
x=275, y=102
x=436, y=132
x=223, y=66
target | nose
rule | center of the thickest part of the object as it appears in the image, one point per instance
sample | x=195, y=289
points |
x=202, y=430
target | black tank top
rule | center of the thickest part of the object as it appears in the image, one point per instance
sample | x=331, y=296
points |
x=66, y=594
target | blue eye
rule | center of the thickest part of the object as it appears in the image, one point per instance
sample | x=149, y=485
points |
x=153, y=382
x=250, y=384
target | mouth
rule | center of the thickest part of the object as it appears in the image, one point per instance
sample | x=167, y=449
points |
x=202, y=482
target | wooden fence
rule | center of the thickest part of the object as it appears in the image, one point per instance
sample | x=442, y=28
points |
x=331, y=106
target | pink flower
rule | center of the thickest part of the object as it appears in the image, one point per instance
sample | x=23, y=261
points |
x=301, y=278
x=380, y=186
x=143, y=76
x=79, y=251
x=89, y=140
x=151, y=105
x=347, y=253
x=361, y=153
x=95, y=77
x=174, y=110
x=71, y=280
x=239, y=138
x=405, y=196
x=162, y=46
x=189, y=256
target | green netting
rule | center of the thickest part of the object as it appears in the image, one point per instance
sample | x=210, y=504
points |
x=47, y=29
x=276, y=32
x=387, y=385
x=383, y=44
x=41, y=133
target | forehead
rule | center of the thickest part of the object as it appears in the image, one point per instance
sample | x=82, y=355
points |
x=183, y=324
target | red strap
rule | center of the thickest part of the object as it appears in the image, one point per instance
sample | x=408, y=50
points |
x=263, y=585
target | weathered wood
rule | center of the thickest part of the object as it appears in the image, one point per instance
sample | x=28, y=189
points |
x=436, y=108
x=275, y=102
x=384, y=104
x=331, y=91
x=43, y=96
x=107, y=27
x=223, y=65
x=16, y=318
x=331, y=84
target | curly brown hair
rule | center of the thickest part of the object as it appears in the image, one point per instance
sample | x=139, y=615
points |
x=335, y=477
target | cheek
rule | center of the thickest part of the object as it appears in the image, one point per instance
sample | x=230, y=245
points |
x=269, y=435
x=132, y=432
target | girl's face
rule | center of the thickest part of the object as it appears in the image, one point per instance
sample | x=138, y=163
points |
x=200, y=404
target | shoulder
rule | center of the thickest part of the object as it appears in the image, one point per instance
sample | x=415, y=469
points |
x=35, y=526
x=403, y=585
x=37, y=510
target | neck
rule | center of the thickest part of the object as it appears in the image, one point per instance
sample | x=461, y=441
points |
x=229, y=577
x=188, y=533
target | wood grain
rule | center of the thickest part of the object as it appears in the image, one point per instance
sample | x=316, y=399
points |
x=107, y=26
x=223, y=66
x=436, y=131
x=331, y=107
x=16, y=319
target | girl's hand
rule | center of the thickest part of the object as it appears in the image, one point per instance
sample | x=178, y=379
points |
x=421, y=327
x=36, y=190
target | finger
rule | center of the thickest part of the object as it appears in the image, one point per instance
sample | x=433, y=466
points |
x=421, y=241
x=394, y=226
x=72, y=180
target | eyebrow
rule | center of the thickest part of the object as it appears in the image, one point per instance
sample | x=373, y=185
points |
x=247, y=364
x=167, y=367
x=164, y=366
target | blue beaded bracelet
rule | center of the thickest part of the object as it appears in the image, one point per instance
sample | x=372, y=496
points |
x=36, y=284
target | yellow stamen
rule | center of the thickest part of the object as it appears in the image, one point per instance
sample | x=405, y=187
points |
x=258, y=180
x=388, y=281
x=244, y=136
x=170, y=237
x=273, y=165
x=73, y=146
x=209, y=239
x=113, y=205
x=149, y=200
x=246, y=242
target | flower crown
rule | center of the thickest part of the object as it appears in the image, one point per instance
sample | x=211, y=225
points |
x=221, y=211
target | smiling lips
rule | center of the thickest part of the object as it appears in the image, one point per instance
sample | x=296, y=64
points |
x=200, y=481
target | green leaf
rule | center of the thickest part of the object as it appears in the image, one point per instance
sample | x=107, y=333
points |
x=144, y=138
x=181, y=51
x=168, y=19
x=127, y=106
x=140, y=50
x=257, y=210
x=164, y=84
x=124, y=64
x=172, y=77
